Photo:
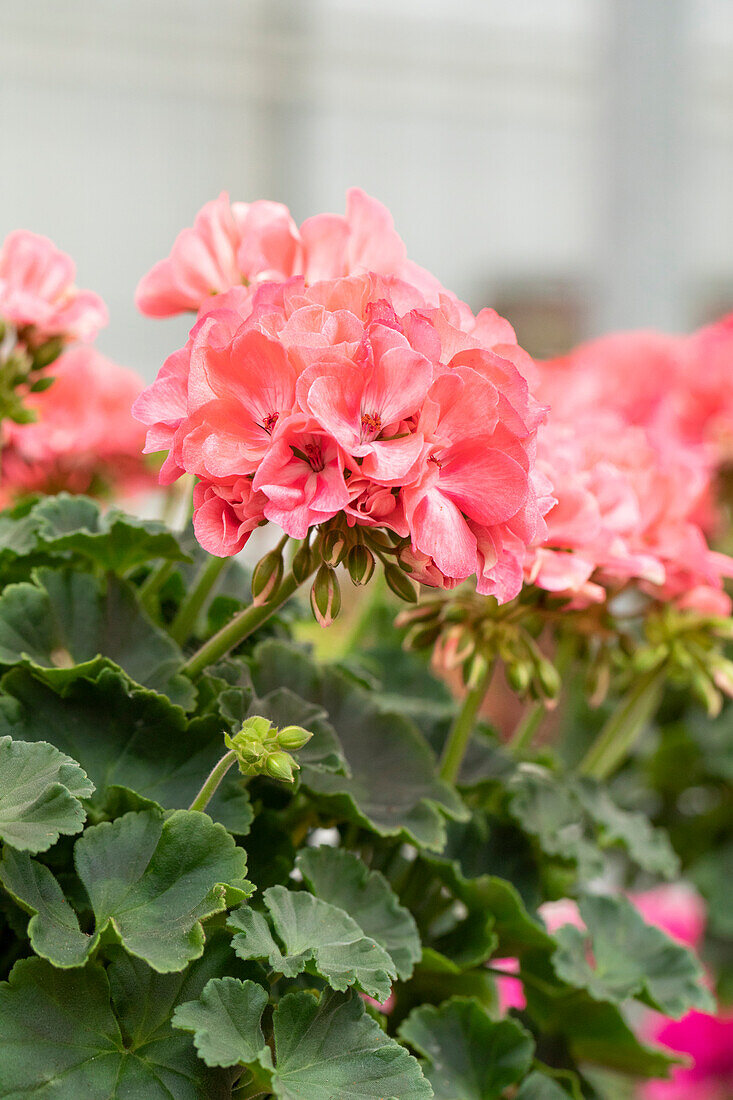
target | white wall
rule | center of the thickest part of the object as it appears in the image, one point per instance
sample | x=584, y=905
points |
x=486, y=126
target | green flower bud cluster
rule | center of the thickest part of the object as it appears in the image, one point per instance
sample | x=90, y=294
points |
x=21, y=367
x=357, y=549
x=691, y=648
x=470, y=632
x=262, y=749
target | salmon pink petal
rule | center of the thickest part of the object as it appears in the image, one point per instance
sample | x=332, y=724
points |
x=486, y=484
x=324, y=239
x=439, y=530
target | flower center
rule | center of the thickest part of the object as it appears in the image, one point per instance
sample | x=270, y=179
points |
x=315, y=456
x=270, y=421
x=371, y=424
x=437, y=461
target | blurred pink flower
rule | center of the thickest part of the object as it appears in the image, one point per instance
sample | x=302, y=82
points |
x=85, y=438
x=37, y=290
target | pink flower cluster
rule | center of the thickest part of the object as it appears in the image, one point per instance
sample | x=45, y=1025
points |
x=37, y=291
x=84, y=438
x=356, y=394
x=240, y=245
x=631, y=473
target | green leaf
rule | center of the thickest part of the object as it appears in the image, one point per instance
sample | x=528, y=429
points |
x=394, y=788
x=54, y=927
x=65, y=619
x=649, y=848
x=225, y=1021
x=313, y=933
x=630, y=959
x=113, y=541
x=574, y=819
x=540, y=1087
x=73, y=1034
x=40, y=793
x=154, y=881
x=546, y=808
x=713, y=874
x=468, y=1056
x=340, y=878
x=125, y=737
x=150, y=881
x=332, y=1048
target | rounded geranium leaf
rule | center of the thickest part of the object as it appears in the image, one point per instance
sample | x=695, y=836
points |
x=39, y=794
x=97, y=1034
x=468, y=1056
x=340, y=878
x=66, y=618
x=630, y=958
x=154, y=880
x=313, y=935
x=331, y=1048
x=225, y=1021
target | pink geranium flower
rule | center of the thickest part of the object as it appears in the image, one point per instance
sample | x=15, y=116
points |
x=242, y=244
x=37, y=291
x=357, y=396
x=84, y=438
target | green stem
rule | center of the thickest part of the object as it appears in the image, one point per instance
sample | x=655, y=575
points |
x=240, y=627
x=527, y=727
x=195, y=598
x=212, y=781
x=460, y=734
x=625, y=726
x=153, y=583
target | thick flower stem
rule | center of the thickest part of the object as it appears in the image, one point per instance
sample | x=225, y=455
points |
x=625, y=726
x=212, y=781
x=195, y=599
x=240, y=627
x=527, y=727
x=460, y=734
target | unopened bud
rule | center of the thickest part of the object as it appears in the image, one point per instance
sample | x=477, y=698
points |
x=266, y=577
x=418, y=614
x=41, y=384
x=400, y=583
x=707, y=693
x=474, y=670
x=518, y=676
x=360, y=564
x=302, y=562
x=280, y=765
x=549, y=679
x=333, y=546
x=44, y=355
x=378, y=539
x=293, y=738
x=325, y=596
x=422, y=636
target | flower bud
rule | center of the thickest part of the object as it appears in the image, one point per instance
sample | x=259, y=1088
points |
x=474, y=670
x=333, y=546
x=422, y=635
x=549, y=679
x=293, y=738
x=410, y=615
x=325, y=596
x=378, y=539
x=360, y=564
x=518, y=676
x=302, y=562
x=266, y=577
x=400, y=583
x=44, y=355
x=280, y=765
x=41, y=384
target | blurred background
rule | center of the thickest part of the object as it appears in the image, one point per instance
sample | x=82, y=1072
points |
x=569, y=163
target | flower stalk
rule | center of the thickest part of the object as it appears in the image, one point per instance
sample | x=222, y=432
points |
x=624, y=727
x=460, y=734
x=212, y=781
x=192, y=603
x=240, y=627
